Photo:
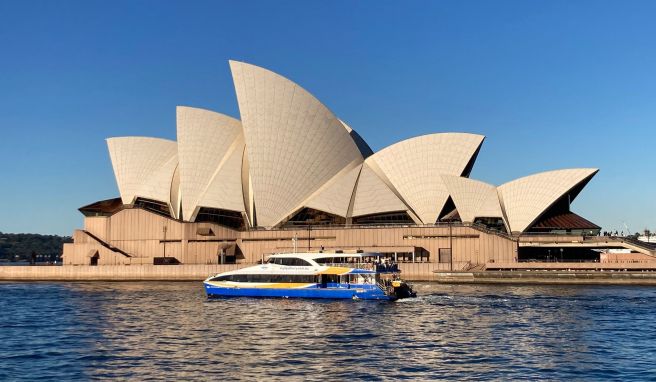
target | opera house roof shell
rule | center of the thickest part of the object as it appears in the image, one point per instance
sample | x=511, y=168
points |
x=289, y=154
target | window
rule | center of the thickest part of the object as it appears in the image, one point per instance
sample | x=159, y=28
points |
x=232, y=219
x=445, y=255
x=264, y=278
x=400, y=217
x=153, y=206
x=289, y=261
x=310, y=216
x=334, y=260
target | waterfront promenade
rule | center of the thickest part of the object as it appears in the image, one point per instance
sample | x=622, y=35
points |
x=571, y=277
x=182, y=272
x=526, y=273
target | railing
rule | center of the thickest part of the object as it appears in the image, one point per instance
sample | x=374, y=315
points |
x=384, y=285
x=368, y=266
x=484, y=228
x=558, y=260
x=556, y=233
x=640, y=243
x=364, y=226
x=311, y=227
x=393, y=267
x=473, y=267
x=476, y=226
x=651, y=247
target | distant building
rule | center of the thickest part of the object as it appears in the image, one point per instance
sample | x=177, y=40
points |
x=291, y=174
x=648, y=239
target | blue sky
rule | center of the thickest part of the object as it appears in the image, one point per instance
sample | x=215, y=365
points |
x=552, y=84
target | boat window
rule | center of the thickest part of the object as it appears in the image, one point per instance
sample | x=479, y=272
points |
x=331, y=278
x=338, y=260
x=300, y=263
x=222, y=278
x=289, y=261
x=264, y=278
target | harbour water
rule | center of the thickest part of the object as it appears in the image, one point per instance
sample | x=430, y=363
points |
x=170, y=331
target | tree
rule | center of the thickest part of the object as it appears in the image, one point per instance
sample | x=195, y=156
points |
x=21, y=245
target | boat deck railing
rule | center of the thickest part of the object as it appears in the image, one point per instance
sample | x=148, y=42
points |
x=383, y=268
x=367, y=266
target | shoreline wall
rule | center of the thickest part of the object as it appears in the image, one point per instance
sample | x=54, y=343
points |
x=183, y=272
x=548, y=277
x=410, y=271
x=195, y=272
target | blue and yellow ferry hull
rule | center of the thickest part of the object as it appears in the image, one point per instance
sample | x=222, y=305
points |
x=291, y=290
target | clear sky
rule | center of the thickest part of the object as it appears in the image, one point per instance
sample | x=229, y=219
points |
x=552, y=84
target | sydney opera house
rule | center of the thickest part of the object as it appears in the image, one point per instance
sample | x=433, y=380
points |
x=290, y=175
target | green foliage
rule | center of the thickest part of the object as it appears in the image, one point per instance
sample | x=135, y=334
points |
x=19, y=246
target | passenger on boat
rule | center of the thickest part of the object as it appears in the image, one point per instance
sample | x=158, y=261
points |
x=387, y=266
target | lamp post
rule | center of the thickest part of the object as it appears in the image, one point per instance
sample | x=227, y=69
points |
x=309, y=231
x=450, y=247
x=164, y=229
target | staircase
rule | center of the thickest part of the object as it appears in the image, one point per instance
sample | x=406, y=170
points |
x=625, y=242
x=651, y=247
x=469, y=267
x=106, y=245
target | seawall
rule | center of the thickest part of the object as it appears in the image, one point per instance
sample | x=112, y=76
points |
x=410, y=272
x=195, y=272
x=548, y=277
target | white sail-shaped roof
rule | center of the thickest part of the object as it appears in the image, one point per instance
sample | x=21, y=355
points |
x=525, y=199
x=290, y=152
x=336, y=196
x=363, y=146
x=373, y=196
x=175, y=202
x=414, y=167
x=210, y=146
x=225, y=189
x=295, y=144
x=143, y=167
x=473, y=198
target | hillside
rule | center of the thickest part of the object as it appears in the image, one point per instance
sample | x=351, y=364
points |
x=19, y=246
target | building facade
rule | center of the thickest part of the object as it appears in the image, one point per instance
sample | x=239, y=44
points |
x=290, y=175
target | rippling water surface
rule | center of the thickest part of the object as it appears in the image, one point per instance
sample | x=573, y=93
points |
x=140, y=331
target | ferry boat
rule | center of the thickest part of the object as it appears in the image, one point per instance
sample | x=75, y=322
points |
x=313, y=275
